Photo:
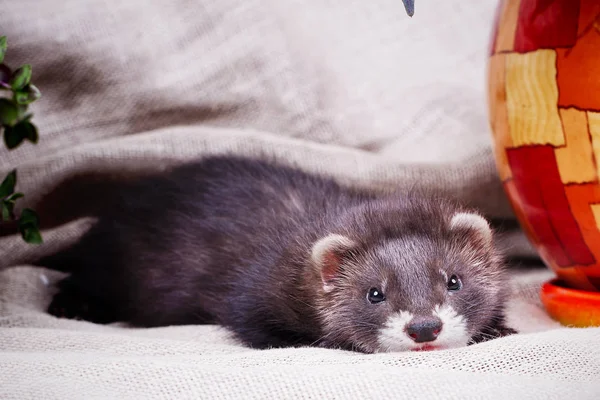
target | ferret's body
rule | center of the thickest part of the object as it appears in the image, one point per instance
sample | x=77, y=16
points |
x=285, y=258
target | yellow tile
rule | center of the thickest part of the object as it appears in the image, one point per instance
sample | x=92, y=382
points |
x=575, y=160
x=532, y=97
x=507, y=26
x=594, y=129
x=596, y=212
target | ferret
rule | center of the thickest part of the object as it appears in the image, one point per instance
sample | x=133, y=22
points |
x=286, y=258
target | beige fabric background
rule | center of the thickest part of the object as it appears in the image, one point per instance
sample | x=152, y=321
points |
x=350, y=88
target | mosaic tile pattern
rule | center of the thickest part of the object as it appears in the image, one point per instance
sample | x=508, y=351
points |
x=544, y=88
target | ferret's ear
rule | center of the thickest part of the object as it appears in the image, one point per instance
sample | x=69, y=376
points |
x=472, y=223
x=327, y=255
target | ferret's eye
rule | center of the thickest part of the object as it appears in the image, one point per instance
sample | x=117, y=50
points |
x=454, y=284
x=375, y=296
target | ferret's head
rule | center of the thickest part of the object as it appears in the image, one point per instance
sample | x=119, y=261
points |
x=415, y=278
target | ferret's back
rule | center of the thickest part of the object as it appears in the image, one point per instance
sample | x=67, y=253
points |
x=244, y=193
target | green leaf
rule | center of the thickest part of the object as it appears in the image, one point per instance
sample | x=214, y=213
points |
x=27, y=130
x=32, y=134
x=32, y=236
x=12, y=137
x=14, y=197
x=7, y=187
x=7, y=209
x=3, y=45
x=21, y=97
x=21, y=77
x=8, y=205
x=27, y=95
x=29, y=223
x=6, y=212
x=9, y=113
x=29, y=217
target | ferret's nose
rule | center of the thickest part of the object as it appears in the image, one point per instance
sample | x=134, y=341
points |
x=424, y=329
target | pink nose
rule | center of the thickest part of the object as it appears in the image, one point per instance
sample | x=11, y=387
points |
x=424, y=329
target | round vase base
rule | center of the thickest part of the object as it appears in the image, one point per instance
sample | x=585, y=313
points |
x=571, y=307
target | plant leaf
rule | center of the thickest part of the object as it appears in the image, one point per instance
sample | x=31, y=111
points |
x=15, y=196
x=21, y=97
x=8, y=207
x=28, y=216
x=3, y=45
x=29, y=223
x=34, y=91
x=27, y=95
x=6, y=212
x=32, y=236
x=21, y=77
x=12, y=137
x=7, y=187
x=27, y=130
x=32, y=134
x=9, y=113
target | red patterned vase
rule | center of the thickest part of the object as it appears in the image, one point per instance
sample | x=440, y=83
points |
x=544, y=103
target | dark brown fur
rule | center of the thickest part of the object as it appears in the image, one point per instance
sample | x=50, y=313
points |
x=228, y=241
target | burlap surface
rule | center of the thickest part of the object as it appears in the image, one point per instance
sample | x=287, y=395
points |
x=354, y=89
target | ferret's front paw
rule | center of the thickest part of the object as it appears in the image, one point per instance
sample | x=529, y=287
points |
x=504, y=331
x=326, y=344
x=71, y=303
x=495, y=332
x=64, y=305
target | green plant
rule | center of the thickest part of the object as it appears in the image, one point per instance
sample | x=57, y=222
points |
x=15, y=127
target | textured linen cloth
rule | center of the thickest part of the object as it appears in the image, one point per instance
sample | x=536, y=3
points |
x=349, y=88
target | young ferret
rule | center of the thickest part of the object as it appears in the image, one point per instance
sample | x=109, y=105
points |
x=284, y=258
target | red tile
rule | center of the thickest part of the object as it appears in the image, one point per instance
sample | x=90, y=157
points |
x=589, y=13
x=578, y=73
x=537, y=180
x=547, y=24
